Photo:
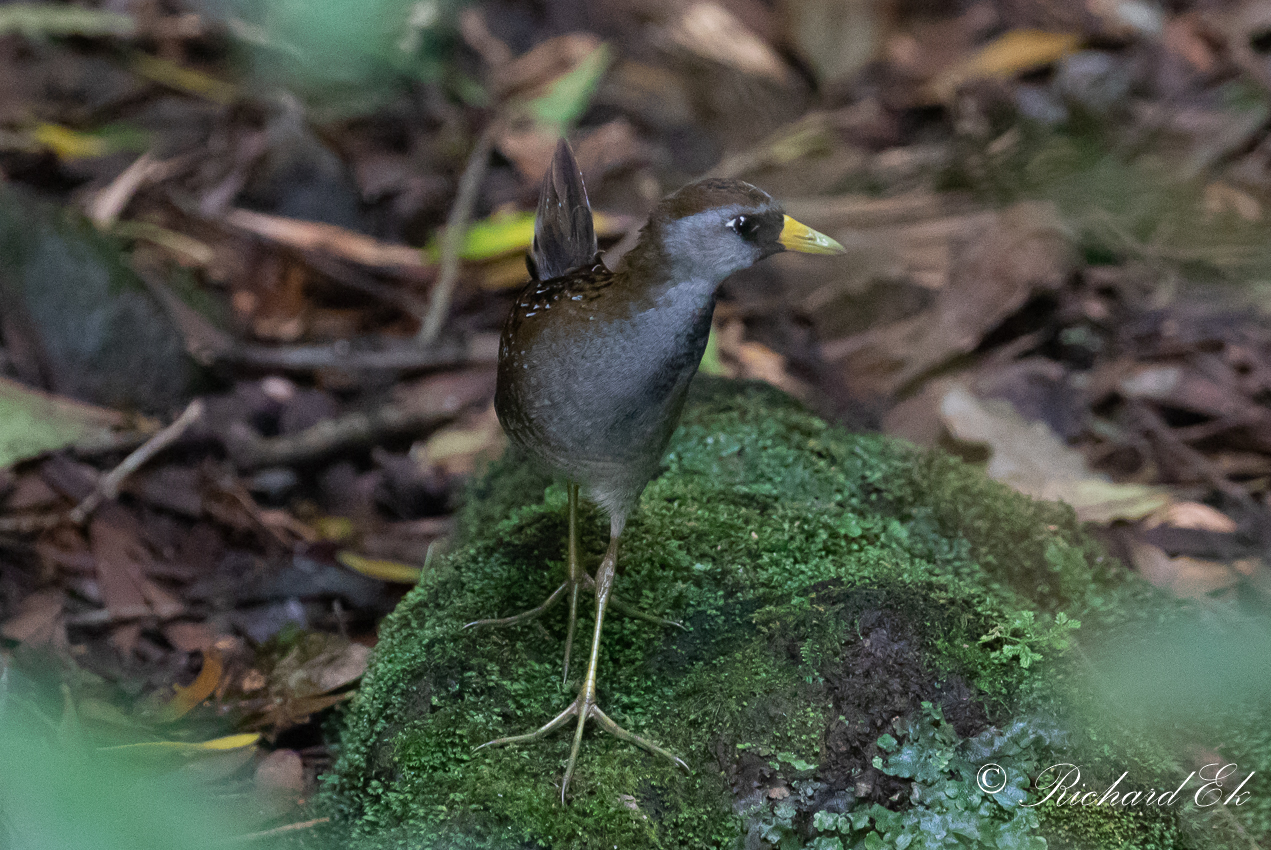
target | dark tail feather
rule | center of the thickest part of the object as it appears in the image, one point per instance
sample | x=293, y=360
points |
x=564, y=236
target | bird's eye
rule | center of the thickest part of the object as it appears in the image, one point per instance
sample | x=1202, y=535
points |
x=745, y=226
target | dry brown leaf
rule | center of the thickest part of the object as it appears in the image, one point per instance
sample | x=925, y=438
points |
x=476, y=34
x=752, y=360
x=281, y=772
x=327, y=238
x=613, y=145
x=917, y=418
x=115, y=545
x=838, y=38
x=1183, y=387
x=1222, y=197
x=1238, y=465
x=999, y=261
x=712, y=32
x=455, y=449
x=189, y=637
x=1183, y=575
x=1192, y=515
x=319, y=663
x=1012, y=53
x=1184, y=35
x=165, y=605
x=38, y=621
x=1030, y=457
x=529, y=147
x=531, y=74
x=446, y=393
x=30, y=492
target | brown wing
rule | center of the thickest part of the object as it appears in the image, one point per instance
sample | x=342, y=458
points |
x=579, y=286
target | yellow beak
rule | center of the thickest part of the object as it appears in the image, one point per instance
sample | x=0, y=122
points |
x=805, y=240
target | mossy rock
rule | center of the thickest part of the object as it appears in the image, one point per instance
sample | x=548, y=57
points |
x=867, y=626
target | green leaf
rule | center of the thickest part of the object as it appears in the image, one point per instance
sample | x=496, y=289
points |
x=568, y=98
x=506, y=233
x=711, y=364
x=32, y=423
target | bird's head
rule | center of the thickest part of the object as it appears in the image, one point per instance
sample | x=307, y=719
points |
x=712, y=228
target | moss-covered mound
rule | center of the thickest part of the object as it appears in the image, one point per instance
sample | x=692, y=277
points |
x=868, y=626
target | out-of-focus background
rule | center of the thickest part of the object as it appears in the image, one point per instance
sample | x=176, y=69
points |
x=289, y=231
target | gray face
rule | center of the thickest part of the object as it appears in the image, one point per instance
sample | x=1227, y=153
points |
x=709, y=246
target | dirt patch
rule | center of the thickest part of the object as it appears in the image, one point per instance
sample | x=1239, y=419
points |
x=883, y=678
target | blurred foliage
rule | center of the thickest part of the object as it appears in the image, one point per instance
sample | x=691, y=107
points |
x=342, y=56
x=102, y=337
x=69, y=144
x=1141, y=197
x=59, y=793
x=46, y=20
x=32, y=423
x=567, y=99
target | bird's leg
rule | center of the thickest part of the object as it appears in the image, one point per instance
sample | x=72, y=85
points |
x=576, y=576
x=576, y=579
x=584, y=705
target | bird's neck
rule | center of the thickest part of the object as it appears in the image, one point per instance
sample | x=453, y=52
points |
x=669, y=276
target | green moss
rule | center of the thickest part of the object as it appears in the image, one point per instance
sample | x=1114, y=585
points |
x=1112, y=828
x=864, y=621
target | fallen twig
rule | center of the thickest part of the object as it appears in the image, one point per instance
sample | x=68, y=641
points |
x=452, y=237
x=415, y=417
x=108, y=485
x=279, y=830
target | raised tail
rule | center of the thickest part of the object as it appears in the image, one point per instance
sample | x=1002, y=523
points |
x=564, y=235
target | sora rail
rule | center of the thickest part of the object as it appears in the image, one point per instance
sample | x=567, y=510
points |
x=594, y=365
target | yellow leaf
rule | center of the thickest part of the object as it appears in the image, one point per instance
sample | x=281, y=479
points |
x=184, y=748
x=173, y=76
x=458, y=442
x=381, y=569
x=68, y=144
x=334, y=528
x=46, y=20
x=198, y=690
x=1015, y=52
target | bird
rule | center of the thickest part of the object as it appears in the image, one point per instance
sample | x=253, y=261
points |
x=594, y=367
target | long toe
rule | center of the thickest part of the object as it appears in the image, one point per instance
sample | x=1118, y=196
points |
x=524, y=616
x=584, y=709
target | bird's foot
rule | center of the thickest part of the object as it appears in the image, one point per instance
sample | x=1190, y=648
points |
x=636, y=614
x=524, y=616
x=584, y=707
